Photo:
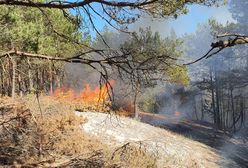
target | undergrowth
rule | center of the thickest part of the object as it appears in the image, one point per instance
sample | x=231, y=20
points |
x=43, y=132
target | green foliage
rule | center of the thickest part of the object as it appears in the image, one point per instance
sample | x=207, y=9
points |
x=33, y=30
x=38, y=31
x=218, y=28
x=159, y=54
x=178, y=74
x=177, y=7
x=148, y=101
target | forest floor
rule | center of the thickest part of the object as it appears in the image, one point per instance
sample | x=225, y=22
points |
x=233, y=148
x=44, y=132
x=108, y=140
x=171, y=149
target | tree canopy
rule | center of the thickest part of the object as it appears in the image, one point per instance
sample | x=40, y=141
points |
x=59, y=31
x=221, y=81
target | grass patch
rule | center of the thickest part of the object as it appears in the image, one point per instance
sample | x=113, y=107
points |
x=46, y=133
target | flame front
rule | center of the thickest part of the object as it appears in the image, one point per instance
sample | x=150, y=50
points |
x=87, y=95
x=177, y=113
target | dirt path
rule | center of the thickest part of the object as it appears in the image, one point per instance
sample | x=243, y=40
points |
x=172, y=150
x=233, y=149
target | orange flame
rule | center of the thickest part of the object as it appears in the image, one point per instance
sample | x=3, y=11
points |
x=177, y=113
x=87, y=95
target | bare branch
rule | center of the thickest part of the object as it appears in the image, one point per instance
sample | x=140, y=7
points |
x=204, y=56
x=109, y=22
x=70, y=5
x=230, y=35
x=222, y=44
x=230, y=42
x=94, y=27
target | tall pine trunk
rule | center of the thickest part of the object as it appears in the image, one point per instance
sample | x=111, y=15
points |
x=233, y=111
x=213, y=95
x=13, y=88
x=51, y=80
x=30, y=78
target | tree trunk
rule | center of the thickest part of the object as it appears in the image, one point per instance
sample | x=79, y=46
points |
x=30, y=78
x=2, y=80
x=42, y=80
x=202, y=109
x=217, y=94
x=195, y=109
x=20, y=85
x=13, y=77
x=233, y=111
x=136, y=111
x=242, y=111
x=213, y=95
x=58, y=79
x=51, y=80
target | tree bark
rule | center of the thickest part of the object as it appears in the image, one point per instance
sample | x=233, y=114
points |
x=51, y=80
x=13, y=77
x=213, y=94
x=20, y=85
x=30, y=77
x=218, y=120
x=195, y=109
x=202, y=109
x=2, y=79
x=136, y=111
x=233, y=111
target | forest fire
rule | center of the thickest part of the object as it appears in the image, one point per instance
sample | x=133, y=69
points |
x=177, y=113
x=88, y=95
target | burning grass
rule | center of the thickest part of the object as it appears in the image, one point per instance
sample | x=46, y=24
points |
x=95, y=99
x=89, y=98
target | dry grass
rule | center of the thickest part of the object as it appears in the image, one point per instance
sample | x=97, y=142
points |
x=45, y=133
x=82, y=106
x=131, y=156
x=124, y=108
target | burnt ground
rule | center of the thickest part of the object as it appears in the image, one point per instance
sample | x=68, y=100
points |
x=170, y=149
x=234, y=149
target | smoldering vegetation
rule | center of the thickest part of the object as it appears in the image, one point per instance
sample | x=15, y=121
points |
x=211, y=109
x=147, y=57
x=220, y=82
x=216, y=93
x=78, y=76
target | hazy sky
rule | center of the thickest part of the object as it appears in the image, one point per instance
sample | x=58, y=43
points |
x=198, y=14
x=187, y=23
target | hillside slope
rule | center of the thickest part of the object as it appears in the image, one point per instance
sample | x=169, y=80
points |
x=171, y=149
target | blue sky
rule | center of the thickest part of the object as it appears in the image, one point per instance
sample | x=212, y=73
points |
x=199, y=15
x=188, y=23
x=184, y=23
